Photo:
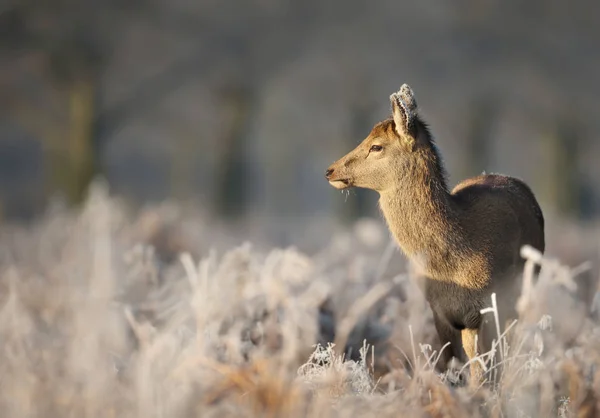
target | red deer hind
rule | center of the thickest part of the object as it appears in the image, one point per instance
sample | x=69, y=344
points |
x=466, y=242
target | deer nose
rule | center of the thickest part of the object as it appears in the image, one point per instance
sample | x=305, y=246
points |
x=328, y=172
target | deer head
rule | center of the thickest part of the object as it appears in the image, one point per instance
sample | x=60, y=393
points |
x=387, y=155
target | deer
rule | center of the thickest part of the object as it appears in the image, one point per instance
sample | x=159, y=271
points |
x=464, y=243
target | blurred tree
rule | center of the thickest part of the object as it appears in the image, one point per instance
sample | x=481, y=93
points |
x=73, y=40
x=231, y=199
x=77, y=38
x=564, y=181
x=478, y=140
x=242, y=54
x=76, y=63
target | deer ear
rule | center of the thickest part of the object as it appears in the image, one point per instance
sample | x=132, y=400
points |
x=404, y=111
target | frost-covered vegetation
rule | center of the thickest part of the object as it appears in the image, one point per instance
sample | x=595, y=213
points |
x=110, y=313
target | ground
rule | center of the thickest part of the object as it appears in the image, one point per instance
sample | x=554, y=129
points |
x=108, y=312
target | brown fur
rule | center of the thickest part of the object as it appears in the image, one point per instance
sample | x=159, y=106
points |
x=465, y=243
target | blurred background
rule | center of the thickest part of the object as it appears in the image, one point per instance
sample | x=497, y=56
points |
x=239, y=106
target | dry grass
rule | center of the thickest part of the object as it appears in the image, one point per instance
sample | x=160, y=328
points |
x=96, y=322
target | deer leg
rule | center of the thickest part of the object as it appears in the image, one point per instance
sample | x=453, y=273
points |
x=447, y=334
x=469, y=343
x=488, y=335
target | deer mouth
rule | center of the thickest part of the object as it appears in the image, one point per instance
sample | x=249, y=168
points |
x=340, y=183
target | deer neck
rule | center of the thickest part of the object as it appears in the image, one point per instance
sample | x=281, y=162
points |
x=424, y=221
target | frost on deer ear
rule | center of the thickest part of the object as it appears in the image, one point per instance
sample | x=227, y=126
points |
x=404, y=111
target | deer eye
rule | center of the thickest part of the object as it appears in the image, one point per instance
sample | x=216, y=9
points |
x=376, y=148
